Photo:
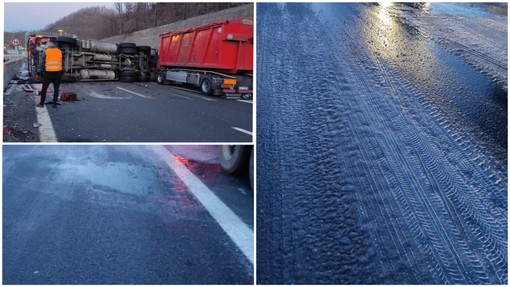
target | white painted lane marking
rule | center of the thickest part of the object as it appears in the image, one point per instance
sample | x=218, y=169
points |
x=236, y=229
x=194, y=91
x=245, y=101
x=134, y=93
x=179, y=96
x=46, y=131
x=207, y=99
x=243, y=131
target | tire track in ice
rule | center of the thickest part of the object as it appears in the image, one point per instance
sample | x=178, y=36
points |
x=421, y=210
x=270, y=203
x=380, y=197
x=467, y=202
x=319, y=249
x=357, y=48
x=396, y=93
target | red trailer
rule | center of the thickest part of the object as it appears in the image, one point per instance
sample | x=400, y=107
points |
x=217, y=57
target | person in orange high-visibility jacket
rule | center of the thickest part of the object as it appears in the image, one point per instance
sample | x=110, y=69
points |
x=51, y=68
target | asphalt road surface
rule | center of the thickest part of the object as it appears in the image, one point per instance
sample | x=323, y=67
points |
x=382, y=144
x=121, y=215
x=128, y=112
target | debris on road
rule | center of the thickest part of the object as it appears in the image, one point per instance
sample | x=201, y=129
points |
x=68, y=96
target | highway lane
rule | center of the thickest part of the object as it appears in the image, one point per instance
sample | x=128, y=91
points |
x=139, y=112
x=119, y=215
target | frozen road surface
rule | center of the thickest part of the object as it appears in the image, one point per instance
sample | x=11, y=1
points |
x=121, y=215
x=382, y=144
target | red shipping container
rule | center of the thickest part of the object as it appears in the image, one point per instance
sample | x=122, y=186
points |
x=225, y=46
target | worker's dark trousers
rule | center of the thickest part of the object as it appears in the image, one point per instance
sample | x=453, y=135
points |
x=50, y=77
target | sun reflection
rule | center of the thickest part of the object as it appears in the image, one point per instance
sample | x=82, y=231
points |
x=384, y=13
x=385, y=4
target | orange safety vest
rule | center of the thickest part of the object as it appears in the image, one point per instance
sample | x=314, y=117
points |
x=53, y=60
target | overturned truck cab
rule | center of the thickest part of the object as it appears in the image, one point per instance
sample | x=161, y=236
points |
x=94, y=60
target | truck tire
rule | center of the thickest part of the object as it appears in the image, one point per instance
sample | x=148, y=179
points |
x=127, y=51
x=127, y=45
x=234, y=158
x=145, y=49
x=127, y=76
x=206, y=86
x=161, y=78
x=67, y=40
x=127, y=79
x=127, y=48
x=128, y=73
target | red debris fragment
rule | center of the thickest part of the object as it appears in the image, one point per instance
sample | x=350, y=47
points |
x=68, y=96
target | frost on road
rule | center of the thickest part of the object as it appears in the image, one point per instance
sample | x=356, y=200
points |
x=382, y=144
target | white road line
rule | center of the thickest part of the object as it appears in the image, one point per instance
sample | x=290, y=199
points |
x=243, y=131
x=236, y=229
x=245, y=101
x=194, y=91
x=134, y=93
x=207, y=99
x=46, y=131
x=179, y=96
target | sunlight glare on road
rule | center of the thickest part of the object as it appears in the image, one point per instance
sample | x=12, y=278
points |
x=384, y=13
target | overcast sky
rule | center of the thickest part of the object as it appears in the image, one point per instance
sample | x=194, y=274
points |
x=35, y=16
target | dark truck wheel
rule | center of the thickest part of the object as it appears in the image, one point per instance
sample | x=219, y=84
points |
x=145, y=49
x=127, y=48
x=206, y=86
x=161, y=78
x=235, y=158
x=128, y=76
x=127, y=45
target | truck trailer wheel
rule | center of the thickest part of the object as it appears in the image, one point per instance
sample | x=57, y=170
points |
x=145, y=49
x=206, y=86
x=234, y=158
x=161, y=78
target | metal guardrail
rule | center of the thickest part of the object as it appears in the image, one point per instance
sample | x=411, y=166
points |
x=10, y=69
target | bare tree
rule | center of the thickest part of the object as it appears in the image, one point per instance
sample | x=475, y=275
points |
x=119, y=8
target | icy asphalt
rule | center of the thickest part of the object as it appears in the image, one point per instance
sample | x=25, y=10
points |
x=117, y=215
x=382, y=144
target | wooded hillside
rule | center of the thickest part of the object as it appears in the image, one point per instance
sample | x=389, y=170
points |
x=100, y=22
